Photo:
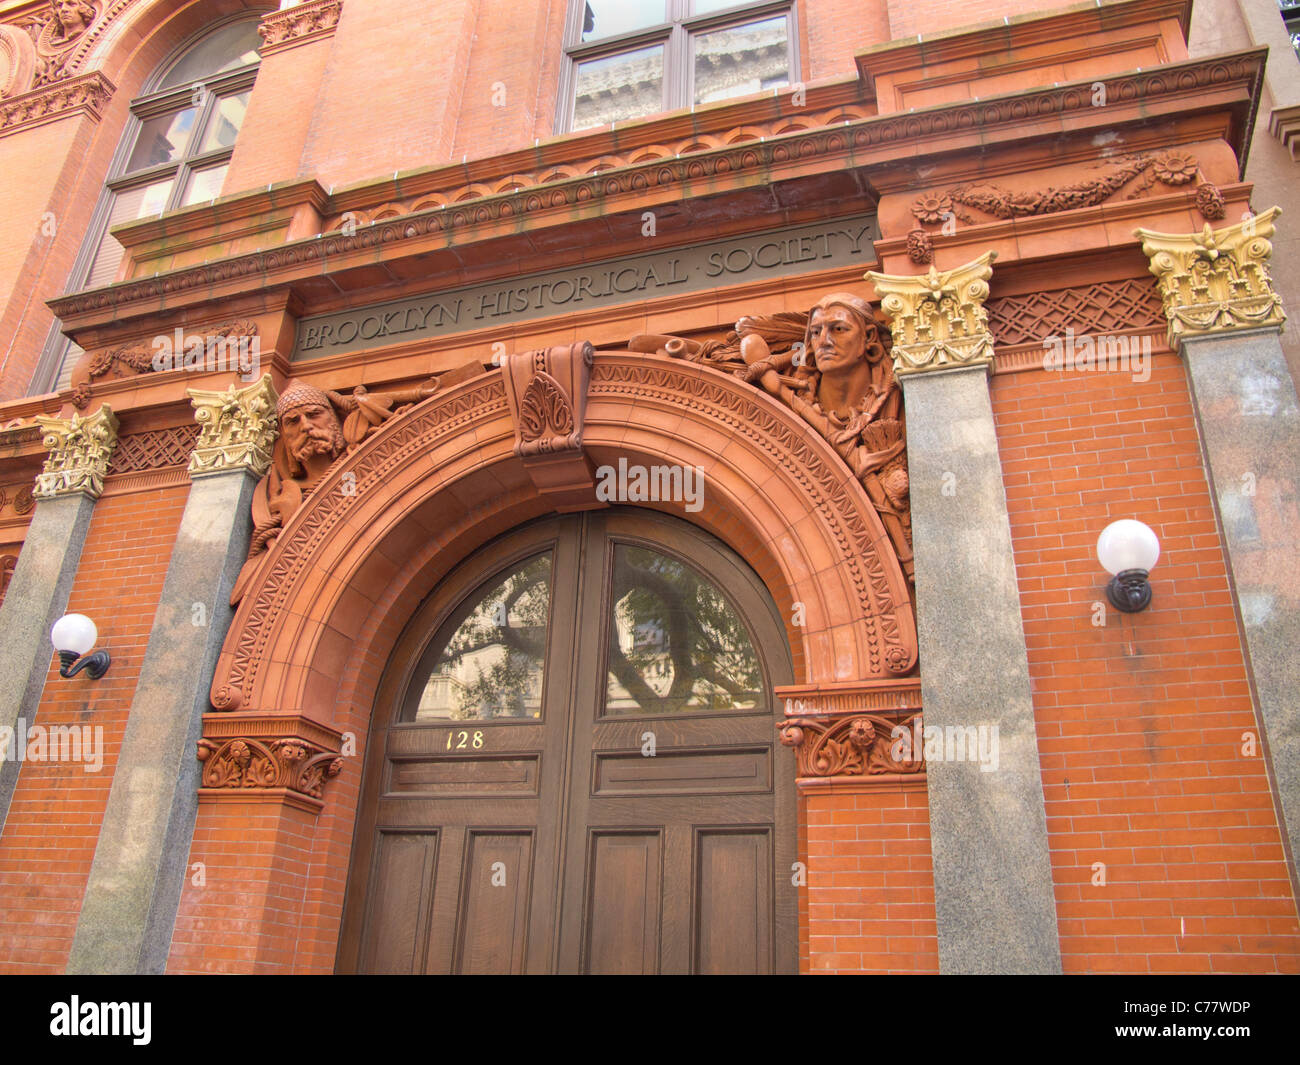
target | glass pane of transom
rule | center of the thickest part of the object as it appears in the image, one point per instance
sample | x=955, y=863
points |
x=162, y=139
x=675, y=643
x=227, y=49
x=741, y=59
x=608, y=18
x=619, y=87
x=489, y=665
x=223, y=126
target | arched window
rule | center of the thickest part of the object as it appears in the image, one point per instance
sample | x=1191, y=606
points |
x=174, y=152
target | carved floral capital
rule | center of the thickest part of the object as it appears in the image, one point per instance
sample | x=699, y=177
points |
x=268, y=756
x=237, y=428
x=299, y=25
x=938, y=319
x=855, y=745
x=1216, y=280
x=88, y=94
x=79, y=452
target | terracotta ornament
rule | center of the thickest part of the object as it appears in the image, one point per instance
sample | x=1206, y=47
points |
x=316, y=427
x=832, y=367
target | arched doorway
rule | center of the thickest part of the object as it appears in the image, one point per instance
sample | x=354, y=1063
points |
x=575, y=766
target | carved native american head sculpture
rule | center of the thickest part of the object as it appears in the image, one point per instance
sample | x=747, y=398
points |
x=832, y=367
x=317, y=427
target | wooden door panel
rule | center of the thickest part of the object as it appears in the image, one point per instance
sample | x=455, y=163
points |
x=623, y=887
x=477, y=778
x=405, y=866
x=733, y=901
x=494, y=902
x=683, y=772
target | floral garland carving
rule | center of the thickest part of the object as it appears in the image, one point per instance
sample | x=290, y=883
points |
x=854, y=745
x=1172, y=168
x=675, y=174
x=244, y=762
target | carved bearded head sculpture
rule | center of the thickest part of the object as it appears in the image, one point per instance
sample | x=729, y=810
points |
x=310, y=429
x=71, y=19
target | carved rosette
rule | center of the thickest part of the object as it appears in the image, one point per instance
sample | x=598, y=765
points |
x=547, y=394
x=938, y=320
x=237, y=428
x=854, y=745
x=275, y=757
x=299, y=25
x=1216, y=280
x=80, y=449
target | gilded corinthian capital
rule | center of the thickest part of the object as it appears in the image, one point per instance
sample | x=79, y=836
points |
x=236, y=428
x=938, y=319
x=79, y=452
x=1215, y=280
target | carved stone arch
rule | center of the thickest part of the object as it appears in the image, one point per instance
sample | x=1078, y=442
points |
x=313, y=631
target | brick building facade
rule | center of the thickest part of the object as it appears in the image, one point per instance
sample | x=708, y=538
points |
x=398, y=315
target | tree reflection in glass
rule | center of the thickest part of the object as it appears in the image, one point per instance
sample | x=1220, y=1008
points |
x=491, y=665
x=675, y=643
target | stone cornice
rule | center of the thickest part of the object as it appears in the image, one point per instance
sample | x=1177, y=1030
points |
x=282, y=30
x=85, y=95
x=854, y=144
x=1017, y=32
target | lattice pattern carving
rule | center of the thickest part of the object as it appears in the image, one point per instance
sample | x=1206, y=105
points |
x=1107, y=307
x=154, y=450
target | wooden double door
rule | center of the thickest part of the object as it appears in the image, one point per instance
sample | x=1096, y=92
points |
x=580, y=769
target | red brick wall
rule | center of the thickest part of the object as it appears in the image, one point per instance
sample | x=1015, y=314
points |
x=869, y=902
x=53, y=824
x=1140, y=722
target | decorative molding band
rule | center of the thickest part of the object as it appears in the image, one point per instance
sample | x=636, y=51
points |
x=538, y=196
x=938, y=320
x=79, y=452
x=87, y=95
x=271, y=757
x=1284, y=124
x=156, y=449
x=146, y=481
x=282, y=30
x=855, y=745
x=237, y=428
x=853, y=697
x=1217, y=280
